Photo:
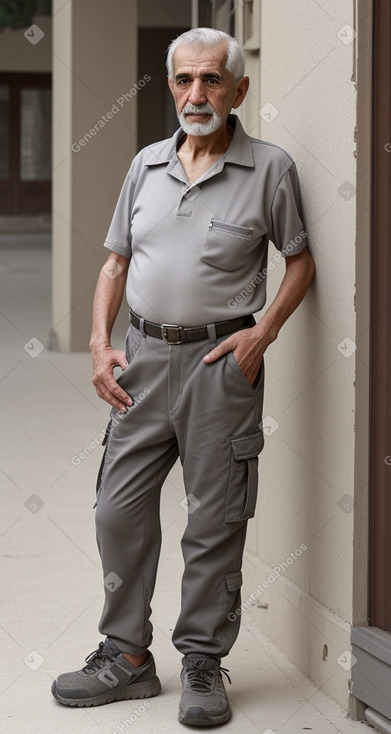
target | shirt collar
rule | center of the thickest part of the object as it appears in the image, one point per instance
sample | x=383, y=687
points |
x=239, y=151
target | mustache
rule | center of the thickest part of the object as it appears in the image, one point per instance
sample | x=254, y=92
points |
x=205, y=109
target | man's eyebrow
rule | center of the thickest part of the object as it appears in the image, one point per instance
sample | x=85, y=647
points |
x=204, y=75
x=214, y=74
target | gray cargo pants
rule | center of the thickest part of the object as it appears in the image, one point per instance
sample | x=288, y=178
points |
x=209, y=416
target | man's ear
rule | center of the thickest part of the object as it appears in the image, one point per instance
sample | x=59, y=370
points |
x=241, y=90
x=170, y=85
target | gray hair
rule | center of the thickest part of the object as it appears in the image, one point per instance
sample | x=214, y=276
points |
x=206, y=37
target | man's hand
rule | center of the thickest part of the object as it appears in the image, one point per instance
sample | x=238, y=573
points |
x=104, y=359
x=247, y=346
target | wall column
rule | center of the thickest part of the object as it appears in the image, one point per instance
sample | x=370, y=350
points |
x=94, y=141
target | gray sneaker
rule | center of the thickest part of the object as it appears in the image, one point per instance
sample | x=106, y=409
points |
x=107, y=677
x=204, y=700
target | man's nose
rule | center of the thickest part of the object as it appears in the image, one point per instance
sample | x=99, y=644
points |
x=197, y=93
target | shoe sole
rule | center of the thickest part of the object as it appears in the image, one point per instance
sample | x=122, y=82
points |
x=134, y=690
x=196, y=716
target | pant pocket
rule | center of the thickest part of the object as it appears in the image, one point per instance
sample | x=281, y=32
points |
x=133, y=343
x=242, y=488
x=103, y=462
x=233, y=580
x=259, y=379
x=232, y=586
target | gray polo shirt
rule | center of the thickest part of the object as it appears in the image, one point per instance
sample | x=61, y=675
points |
x=199, y=253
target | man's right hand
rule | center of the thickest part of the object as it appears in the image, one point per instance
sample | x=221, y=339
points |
x=104, y=359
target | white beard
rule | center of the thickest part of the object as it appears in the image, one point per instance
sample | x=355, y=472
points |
x=199, y=128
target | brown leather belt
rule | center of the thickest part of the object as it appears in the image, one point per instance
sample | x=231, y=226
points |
x=175, y=334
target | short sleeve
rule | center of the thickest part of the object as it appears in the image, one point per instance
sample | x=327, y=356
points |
x=287, y=226
x=118, y=237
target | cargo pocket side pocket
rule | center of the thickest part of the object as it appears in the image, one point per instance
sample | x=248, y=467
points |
x=232, y=586
x=103, y=462
x=242, y=489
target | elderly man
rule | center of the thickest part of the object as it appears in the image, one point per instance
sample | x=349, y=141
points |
x=189, y=240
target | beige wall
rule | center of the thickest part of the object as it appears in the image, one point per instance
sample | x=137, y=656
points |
x=307, y=466
x=18, y=54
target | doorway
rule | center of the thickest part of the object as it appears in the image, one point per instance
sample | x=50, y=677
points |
x=25, y=143
x=157, y=118
x=371, y=644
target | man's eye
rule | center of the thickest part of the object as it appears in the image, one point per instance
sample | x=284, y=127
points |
x=181, y=82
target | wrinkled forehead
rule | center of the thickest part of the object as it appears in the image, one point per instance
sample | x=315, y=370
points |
x=189, y=59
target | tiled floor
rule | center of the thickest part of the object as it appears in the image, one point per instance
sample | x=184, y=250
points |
x=51, y=581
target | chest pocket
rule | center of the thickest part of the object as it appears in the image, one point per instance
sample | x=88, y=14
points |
x=226, y=245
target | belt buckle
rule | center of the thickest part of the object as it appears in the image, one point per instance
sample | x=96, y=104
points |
x=166, y=328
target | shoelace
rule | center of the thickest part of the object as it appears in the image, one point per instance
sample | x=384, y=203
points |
x=202, y=680
x=96, y=659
